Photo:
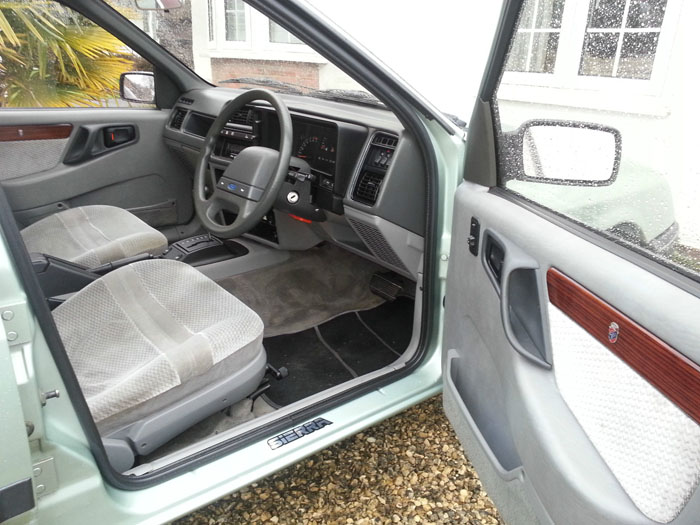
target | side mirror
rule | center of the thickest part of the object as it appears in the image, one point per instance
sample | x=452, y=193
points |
x=158, y=5
x=138, y=86
x=566, y=152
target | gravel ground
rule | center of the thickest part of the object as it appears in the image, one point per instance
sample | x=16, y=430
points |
x=408, y=469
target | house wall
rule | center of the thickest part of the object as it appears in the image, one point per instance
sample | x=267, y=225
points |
x=298, y=73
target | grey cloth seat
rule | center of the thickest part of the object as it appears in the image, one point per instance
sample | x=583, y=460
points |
x=93, y=235
x=156, y=347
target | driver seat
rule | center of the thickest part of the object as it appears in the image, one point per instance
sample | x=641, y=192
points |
x=93, y=235
x=156, y=347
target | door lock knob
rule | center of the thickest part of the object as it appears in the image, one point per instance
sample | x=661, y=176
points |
x=51, y=394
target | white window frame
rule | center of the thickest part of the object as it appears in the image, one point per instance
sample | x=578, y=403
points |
x=634, y=95
x=220, y=18
x=211, y=22
x=257, y=45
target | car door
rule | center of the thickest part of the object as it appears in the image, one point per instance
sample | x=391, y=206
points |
x=66, y=137
x=571, y=340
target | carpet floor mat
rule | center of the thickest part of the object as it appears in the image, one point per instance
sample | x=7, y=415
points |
x=308, y=289
x=348, y=346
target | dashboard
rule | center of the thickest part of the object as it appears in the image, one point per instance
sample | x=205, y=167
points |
x=359, y=175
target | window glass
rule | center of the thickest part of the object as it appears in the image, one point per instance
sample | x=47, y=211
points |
x=608, y=162
x=51, y=56
x=235, y=20
x=210, y=21
x=280, y=35
x=646, y=13
x=535, y=45
x=621, y=38
x=637, y=55
x=606, y=13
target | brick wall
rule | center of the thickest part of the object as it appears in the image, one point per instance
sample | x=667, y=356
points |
x=298, y=73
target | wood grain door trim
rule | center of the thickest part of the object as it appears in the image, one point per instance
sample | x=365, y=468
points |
x=673, y=374
x=35, y=132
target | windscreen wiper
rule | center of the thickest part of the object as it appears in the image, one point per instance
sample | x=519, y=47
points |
x=348, y=95
x=337, y=95
x=284, y=87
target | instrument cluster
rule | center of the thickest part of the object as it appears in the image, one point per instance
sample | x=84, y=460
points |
x=315, y=143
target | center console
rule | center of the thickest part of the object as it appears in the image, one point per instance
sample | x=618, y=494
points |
x=204, y=249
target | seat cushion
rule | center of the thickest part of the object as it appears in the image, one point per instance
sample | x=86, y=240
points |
x=93, y=235
x=147, y=328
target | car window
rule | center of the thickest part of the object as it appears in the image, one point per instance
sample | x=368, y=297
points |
x=591, y=103
x=51, y=56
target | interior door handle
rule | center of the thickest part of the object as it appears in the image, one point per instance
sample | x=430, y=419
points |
x=93, y=140
x=495, y=257
x=117, y=135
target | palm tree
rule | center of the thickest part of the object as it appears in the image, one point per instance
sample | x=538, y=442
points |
x=51, y=56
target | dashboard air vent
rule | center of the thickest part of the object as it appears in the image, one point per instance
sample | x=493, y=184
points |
x=367, y=187
x=186, y=101
x=241, y=117
x=375, y=166
x=385, y=140
x=178, y=118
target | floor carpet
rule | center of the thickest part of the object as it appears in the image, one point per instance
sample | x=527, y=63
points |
x=338, y=350
x=309, y=288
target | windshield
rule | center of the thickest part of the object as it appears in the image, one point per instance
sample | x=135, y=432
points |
x=441, y=50
x=440, y=47
x=228, y=43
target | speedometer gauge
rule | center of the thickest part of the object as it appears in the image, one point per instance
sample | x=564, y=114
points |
x=316, y=144
x=308, y=149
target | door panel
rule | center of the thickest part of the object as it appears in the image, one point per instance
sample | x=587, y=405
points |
x=673, y=374
x=143, y=176
x=577, y=436
x=646, y=440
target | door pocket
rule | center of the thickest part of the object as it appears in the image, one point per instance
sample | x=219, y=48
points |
x=523, y=309
x=159, y=214
x=26, y=217
x=498, y=445
x=514, y=275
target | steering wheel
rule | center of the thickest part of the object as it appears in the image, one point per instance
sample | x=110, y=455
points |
x=251, y=182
